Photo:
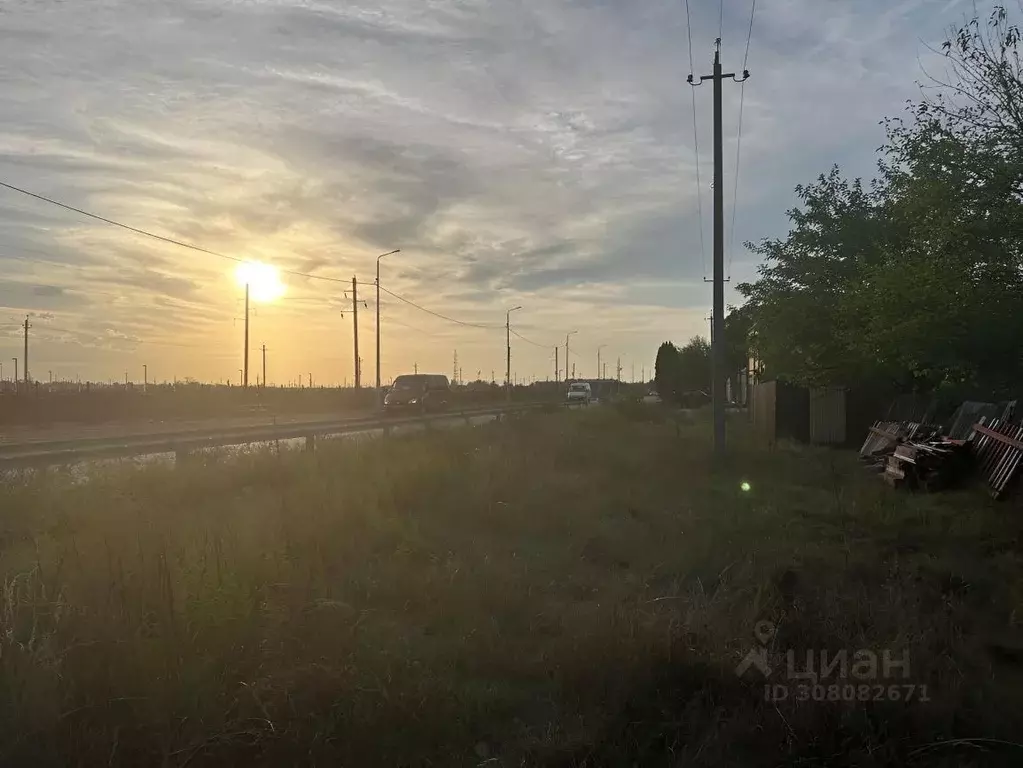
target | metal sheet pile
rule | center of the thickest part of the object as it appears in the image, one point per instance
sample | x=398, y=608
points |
x=931, y=457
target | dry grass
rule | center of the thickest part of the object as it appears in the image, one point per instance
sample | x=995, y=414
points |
x=565, y=590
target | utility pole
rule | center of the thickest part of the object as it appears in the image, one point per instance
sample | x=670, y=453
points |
x=454, y=367
x=15, y=373
x=380, y=392
x=245, y=377
x=25, y=367
x=605, y=370
x=355, y=321
x=632, y=378
x=718, y=326
x=145, y=377
x=310, y=381
x=507, y=331
x=566, y=354
x=557, y=368
x=264, y=366
x=417, y=369
x=598, y=358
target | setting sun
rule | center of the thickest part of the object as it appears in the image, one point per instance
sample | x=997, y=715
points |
x=264, y=281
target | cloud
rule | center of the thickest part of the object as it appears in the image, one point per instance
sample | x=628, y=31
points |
x=531, y=152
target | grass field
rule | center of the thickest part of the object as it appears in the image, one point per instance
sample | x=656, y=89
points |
x=569, y=589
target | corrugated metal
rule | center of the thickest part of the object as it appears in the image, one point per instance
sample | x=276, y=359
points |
x=827, y=416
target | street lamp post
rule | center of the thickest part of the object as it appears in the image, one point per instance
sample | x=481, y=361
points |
x=15, y=373
x=397, y=250
x=245, y=376
x=598, y=358
x=566, y=354
x=507, y=330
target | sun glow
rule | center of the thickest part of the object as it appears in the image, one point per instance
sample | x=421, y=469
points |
x=264, y=281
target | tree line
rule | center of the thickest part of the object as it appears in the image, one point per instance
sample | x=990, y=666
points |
x=913, y=280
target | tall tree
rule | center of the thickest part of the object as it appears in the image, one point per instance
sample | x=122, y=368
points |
x=918, y=279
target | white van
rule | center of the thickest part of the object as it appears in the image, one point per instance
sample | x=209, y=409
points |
x=579, y=393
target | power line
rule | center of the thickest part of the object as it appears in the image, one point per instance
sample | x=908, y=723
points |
x=696, y=150
x=738, y=144
x=530, y=341
x=154, y=236
x=438, y=314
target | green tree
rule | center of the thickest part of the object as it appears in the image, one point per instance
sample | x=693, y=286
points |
x=666, y=374
x=917, y=279
x=694, y=371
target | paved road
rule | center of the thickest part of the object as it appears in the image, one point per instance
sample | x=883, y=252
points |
x=27, y=435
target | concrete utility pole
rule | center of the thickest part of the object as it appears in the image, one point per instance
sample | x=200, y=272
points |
x=245, y=376
x=566, y=353
x=598, y=358
x=264, y=366
x=145, y=377
x=25, y=367
x=380, y=396
x=507, y=331
x=557, y=368
x=355, y=324
x=417, y=369
x=718, y=327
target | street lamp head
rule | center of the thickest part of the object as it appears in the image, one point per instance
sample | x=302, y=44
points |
x=514, y=308
x=396, y=250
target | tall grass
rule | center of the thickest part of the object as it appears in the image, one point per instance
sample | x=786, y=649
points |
x=564, y=590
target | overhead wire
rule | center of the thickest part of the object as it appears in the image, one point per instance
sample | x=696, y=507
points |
x=696, y=149
x=210, y=252
x=154, y=236
x=738, y=144
x=489, y=327
x=236, y=259
x=530, y=341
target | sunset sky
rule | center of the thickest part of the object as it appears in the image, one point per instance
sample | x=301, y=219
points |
x=529, y=152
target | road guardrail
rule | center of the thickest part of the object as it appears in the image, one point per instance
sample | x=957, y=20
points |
x=182, y=443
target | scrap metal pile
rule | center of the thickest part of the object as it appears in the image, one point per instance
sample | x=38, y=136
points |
x=979, y=440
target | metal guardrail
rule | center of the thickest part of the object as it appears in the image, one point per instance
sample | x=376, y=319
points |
x=185, y=442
